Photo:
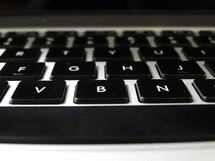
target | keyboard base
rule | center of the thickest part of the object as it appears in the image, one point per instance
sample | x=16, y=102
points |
x=121, y=124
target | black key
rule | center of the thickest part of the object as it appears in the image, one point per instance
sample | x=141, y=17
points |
x=91, y=41
x=162, y=91
x=3, y=88
x=22, y=71
x=74, y=70
x=64, y=54
x=154, y=54
x=13, y=42
x=39, y=92
x=133, y=41
x=101, y=92
x=60, y=33
x=205, y=41
x=140, y=33
x=204, y=53
x=22, y=34
x=50, y=42
x=127, y=70
x=112, y=54
x=100, y=33
x=173, y=41
x=179, y=69
x=19, y=54
x=205, y=89
x=206, y=33
x=210, y=65
x=177, y=33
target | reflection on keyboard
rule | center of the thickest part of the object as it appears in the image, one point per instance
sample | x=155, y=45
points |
x=103, y=67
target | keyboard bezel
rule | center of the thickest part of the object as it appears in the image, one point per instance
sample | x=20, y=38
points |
x=197, y=106
x=110, y=124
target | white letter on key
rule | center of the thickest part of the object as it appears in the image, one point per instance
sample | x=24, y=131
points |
x=21, y=68
x=39, y=90
x=74, y=68
x=165, y=88
x=129, y=68
x=101, y=89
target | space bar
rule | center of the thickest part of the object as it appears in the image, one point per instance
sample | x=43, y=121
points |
x=107, y=124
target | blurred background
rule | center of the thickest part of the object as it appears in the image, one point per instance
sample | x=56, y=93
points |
x=74, y=5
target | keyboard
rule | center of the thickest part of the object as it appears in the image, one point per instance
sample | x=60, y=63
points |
x=108, y=86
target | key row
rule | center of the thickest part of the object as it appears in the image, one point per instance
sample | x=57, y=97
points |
x=104, y=41
x=108, y=91
x=115, y=69
x=106, y=54
x=107, y=33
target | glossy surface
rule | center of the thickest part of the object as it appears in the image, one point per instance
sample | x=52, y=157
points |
x=107, y=124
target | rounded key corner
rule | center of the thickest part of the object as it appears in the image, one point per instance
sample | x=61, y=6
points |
x=51, y=77
x=75, y=100
x=12, y=101
x=126, y=100
x=107, y=76
x=190, y=100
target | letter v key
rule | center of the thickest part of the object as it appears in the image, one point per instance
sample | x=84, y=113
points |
x=39, y=90
x=112, y=52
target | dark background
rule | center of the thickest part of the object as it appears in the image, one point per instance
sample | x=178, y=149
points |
x=76, y=5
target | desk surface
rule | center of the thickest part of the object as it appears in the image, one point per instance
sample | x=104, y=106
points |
x=198, y=151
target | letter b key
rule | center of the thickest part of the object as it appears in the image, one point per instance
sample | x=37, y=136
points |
x=100, y=92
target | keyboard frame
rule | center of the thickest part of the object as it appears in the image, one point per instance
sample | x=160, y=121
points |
x=124, y=151
x=133, y=99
